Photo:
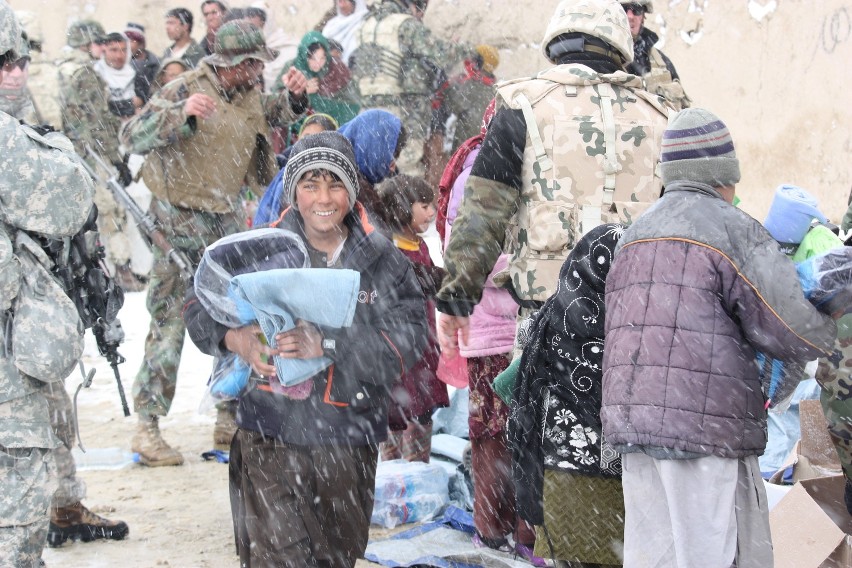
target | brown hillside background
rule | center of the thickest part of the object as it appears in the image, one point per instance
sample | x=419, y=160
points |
x=777, y=71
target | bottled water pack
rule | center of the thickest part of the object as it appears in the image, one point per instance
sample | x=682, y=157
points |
x=408, y=492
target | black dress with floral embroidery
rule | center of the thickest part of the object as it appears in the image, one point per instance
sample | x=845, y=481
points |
x=555, y=419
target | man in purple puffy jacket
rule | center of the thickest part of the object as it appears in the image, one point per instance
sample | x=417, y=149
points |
x=697, y=286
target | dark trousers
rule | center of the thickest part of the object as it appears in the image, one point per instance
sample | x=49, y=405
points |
x=298, y=506
x=493, y=493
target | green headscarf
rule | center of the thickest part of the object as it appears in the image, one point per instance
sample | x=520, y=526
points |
x=301, y=61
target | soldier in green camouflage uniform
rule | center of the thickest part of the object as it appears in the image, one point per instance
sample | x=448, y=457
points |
x=207, y=136
x=835, y=378
x=45, y=193
x=87, y=121
x=398, y=65
x=573, y=147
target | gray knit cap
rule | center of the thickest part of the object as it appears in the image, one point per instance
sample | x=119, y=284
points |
x=322, y=151
x=697, y=146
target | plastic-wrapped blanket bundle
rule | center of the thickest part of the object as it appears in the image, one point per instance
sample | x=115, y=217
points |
x=243, y=253
x=263, y=276
x=827, y=280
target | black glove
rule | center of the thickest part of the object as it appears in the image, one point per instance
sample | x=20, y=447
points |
x=125, y=178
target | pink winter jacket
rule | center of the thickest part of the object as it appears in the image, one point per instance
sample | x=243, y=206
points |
x=492, y=323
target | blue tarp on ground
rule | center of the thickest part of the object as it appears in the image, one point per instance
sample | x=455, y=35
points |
x=445, y=543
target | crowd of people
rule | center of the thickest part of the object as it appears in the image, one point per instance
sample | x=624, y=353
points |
x=606, y=326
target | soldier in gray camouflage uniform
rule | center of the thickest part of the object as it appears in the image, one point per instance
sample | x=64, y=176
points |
x=206, y=136
x=573, y=147
x=69, y=518
x=45, y=193
x=398, y=65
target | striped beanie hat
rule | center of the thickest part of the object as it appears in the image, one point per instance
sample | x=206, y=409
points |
x=697, y=146
x=329, y=151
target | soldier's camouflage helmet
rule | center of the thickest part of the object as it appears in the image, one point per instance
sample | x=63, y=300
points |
x=84, y=32
x=603, y=19
x=237, y=41
x=10, y=31
x=647, y=4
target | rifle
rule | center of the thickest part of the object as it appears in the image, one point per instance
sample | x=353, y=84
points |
x=77, y=264
x=143, y=220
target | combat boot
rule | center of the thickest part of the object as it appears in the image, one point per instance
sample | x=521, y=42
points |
x=79, y=523
x=127, y=279
x=226, y=427
x=152, y=448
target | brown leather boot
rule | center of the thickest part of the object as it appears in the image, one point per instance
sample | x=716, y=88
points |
x=79, y=523
x=152, y=448
x=226, y=427
x=127, y=279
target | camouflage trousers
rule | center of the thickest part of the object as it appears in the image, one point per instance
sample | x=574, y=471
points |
x=835, y=378
x=27, y=487
x=415, y=113
x=113, y=227
x=190, y=231
x=71, y=488
x=27, y=471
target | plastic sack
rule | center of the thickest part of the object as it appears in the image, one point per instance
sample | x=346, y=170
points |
x=827, y=280
x=228, y=380
x=243, y=253
x=408, y=492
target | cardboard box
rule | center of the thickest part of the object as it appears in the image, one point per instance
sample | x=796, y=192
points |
x=811, y=527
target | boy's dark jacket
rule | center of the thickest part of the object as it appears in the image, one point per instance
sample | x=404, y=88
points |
x=348, y=404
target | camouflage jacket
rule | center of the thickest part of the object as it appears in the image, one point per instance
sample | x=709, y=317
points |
x=206, y=172
x=420, y=59
x=46, y=192
x=542, y=180
x=83, y=98
x=835, y=377
x=17, y=103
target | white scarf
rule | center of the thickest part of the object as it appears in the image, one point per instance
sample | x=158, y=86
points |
x=344, y=29
x=119, y=81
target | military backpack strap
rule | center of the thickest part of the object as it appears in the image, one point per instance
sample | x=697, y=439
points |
x=592, y=215
x=544, y=162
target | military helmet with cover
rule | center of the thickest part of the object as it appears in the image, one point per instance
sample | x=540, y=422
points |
x=10, y=33
x=601, y=19
x=84, y=32
x=237, y=41
x=648, y=5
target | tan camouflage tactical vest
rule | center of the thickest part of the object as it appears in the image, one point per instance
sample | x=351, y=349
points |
x=591, y=157
x=660, y=82
x=380, y=60
x=207, y=171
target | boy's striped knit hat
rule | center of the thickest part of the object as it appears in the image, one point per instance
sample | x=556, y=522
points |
x=697, y=146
